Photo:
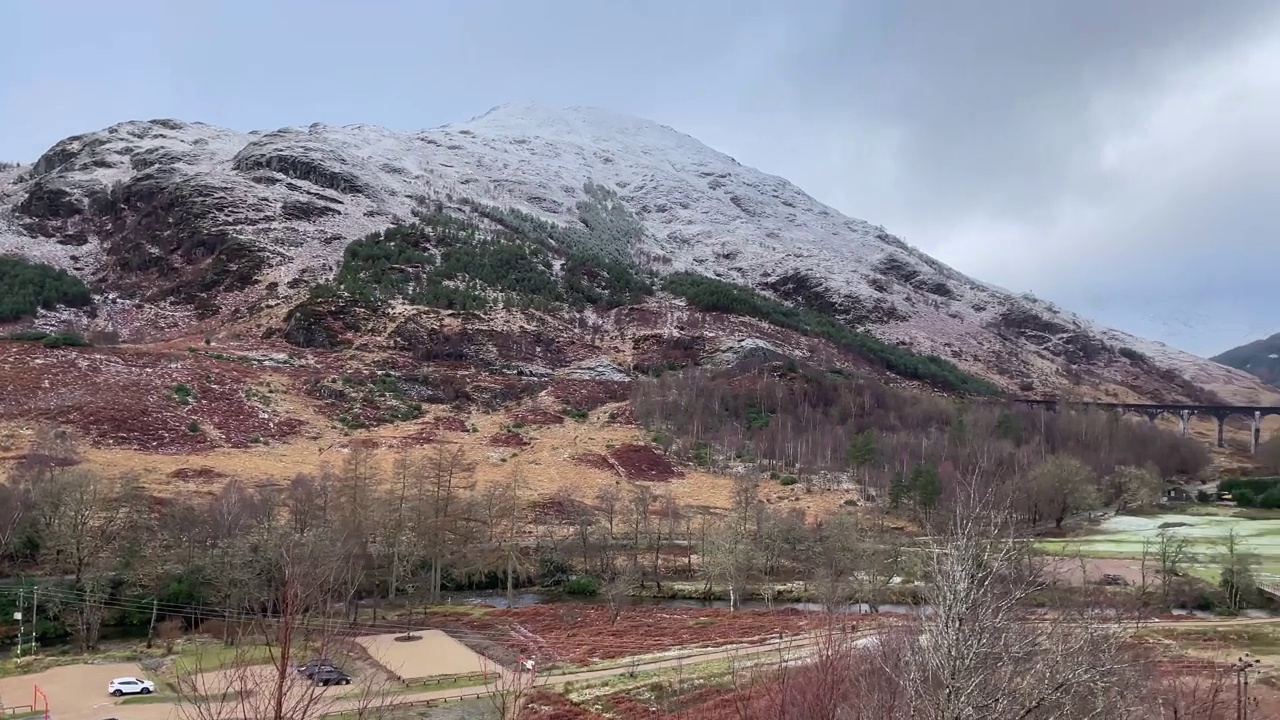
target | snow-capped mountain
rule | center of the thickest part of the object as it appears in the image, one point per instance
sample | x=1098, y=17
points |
x=1260, y=358
x=165, y=209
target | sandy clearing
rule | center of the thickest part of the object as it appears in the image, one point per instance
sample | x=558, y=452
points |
x=434, y=654
x=74, y=691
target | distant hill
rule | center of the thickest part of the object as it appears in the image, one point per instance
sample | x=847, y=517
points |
x=1260, y=357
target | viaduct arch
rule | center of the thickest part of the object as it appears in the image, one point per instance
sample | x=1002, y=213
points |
x=1151, y=411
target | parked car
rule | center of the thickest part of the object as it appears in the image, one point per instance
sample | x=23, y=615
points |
x=311, y=667
x=130, y=686
x=330, y=676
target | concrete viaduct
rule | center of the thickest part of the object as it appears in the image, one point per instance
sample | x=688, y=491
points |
x=1151, y=411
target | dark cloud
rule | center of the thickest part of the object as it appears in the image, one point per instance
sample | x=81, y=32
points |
x=1115, y=157
x=994, y=98
x=1108, y=156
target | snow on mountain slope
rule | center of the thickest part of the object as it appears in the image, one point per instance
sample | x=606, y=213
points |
x=173, y=209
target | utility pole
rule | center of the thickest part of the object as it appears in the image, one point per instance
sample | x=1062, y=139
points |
x=35, y=615
x=151, y=629
x=18, y=616
x=1243, y=665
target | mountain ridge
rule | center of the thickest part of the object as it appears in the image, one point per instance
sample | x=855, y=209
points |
x=191, y=218
x=1260, y=358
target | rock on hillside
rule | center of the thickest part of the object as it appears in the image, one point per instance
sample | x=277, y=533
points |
x=184, y=215
x=1260, y=358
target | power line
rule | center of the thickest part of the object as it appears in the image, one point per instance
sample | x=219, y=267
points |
x=311, y=623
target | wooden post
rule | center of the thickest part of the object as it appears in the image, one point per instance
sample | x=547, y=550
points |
x=151, y=629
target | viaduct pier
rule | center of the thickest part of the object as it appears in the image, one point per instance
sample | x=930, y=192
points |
x=1151, y=411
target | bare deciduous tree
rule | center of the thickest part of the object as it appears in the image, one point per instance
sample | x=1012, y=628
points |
x=1135, y=487
x=509, y=690
x=449, y=473
x=980, y=654
x=299, y=577
x=1236, y=576
x=1170, y=552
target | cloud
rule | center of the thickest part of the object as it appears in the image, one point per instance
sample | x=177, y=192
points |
x=1112, y=157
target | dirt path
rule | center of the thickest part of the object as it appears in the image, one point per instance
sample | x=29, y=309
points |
x=168, y=711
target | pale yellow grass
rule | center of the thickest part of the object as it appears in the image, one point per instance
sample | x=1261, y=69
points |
x=433, y=654
x=546, y=465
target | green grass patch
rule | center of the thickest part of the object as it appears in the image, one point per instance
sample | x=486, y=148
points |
x=28, y=665
x=207, y=657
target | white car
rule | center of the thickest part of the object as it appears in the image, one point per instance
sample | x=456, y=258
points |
x=131, y=686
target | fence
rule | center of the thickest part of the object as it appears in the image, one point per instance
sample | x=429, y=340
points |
x=444, y=701
x=1269, y=584
x=39, y=707
x=441, y=679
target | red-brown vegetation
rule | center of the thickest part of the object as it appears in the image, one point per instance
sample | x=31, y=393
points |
x=837, y=683
x=542, y=630
x=509, y=439
x=642, y=462
x=450, y=423
x=594, y=460
x=125, y=397
x=660, y=351
x=558, y=510
x=423, y=436
x=589, y=394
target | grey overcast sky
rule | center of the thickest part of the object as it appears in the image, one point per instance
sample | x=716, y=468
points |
x=1118, y=157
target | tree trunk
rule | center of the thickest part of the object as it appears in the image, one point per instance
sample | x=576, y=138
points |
x=511, y=590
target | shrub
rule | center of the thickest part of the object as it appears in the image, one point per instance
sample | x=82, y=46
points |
x=29, y=287
x=1269, y=500
x=1253, y=492
x=183, y=393
x=29, y=335
x=64, y=339
x=582, y=585
x=788, y=480
x=193, y=427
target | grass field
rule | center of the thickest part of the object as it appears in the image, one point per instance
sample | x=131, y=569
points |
x=1124, y=537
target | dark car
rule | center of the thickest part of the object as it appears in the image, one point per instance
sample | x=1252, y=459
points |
x=314, y=666
x=330, y=676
